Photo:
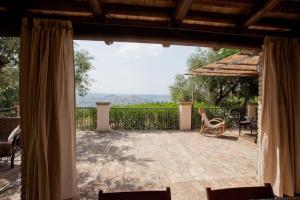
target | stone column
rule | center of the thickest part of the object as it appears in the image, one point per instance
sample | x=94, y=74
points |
x=185, y=115
x=103, y=116
x=252, y=111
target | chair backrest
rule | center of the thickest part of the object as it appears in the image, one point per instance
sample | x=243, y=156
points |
x=14, y=134
x=235, y=113
x=136, y=195
x=203, y=116
x=242, y=193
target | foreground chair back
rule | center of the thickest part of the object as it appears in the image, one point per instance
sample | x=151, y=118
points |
x=242, y=193
x=140, y=195
x=216, y=125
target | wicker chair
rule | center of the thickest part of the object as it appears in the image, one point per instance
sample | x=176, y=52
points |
x=9, y=138
x=216, y=125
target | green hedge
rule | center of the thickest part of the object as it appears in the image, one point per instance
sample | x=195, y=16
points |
x=143, y=118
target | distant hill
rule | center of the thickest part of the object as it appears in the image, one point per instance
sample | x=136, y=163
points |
x=119, y=99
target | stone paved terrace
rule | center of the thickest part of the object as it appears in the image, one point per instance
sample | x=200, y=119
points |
x=186, y=161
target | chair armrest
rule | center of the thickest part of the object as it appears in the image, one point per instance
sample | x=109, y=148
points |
x=217, y=120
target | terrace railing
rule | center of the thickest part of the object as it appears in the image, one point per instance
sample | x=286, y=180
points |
x=86, y=118
x=144, y=118
x=211, y=113
x=8, y=112
x=124, y=118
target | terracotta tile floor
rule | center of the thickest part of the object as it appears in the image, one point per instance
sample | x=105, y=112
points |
x=186, y=161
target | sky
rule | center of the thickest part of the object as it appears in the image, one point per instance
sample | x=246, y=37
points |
x=135, y=68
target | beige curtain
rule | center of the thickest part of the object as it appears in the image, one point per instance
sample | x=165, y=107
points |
x=47, y=110
x=279, y=155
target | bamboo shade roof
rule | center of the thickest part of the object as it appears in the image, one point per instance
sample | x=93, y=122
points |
x=244, y=64
x=213, y=23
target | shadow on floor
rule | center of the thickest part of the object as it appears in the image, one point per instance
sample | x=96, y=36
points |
x=224, y=137
x=91, y=146
x=9, y=180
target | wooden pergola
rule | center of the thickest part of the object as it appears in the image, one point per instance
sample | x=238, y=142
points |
x=221, y=23
x=244, y=64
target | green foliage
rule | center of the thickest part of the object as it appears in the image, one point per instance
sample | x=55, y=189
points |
x=83, y=65
x=181, y=90
x=9, y=50
x=149, y=105
x=203, y=105
x=9, y=71
x=86, y=118
x=220, y=91
x=164, y=105
x=130, y=118
x=148, y=116
x=8, y=96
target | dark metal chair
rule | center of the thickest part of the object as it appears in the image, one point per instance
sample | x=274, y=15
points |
x=9, y=140
x=241, y=193
x=136, y=195
x=239, y=121
x=235, y=116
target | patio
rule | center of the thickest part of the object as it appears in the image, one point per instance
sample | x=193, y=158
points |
x=186, y=161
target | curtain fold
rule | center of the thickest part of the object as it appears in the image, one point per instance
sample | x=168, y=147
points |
x=47, y=96
x=279, y=146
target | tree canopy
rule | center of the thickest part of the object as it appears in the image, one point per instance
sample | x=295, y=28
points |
x=9, y=70
x=220, y=91
x=83, y=65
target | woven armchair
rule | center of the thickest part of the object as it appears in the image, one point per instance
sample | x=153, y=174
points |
x=9, y=138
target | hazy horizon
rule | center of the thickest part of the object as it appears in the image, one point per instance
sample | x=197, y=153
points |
x=135, y=68
x=126, y=93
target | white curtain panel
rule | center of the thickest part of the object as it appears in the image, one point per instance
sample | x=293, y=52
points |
x=47, y=110
x=279, y=144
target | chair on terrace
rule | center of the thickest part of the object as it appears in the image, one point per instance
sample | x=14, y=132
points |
x=216, y=125
x=241, y=193
x=9, y=138
x=140, y=195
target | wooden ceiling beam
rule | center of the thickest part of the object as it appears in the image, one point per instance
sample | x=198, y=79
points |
x=196, y=27
x=63, y=9
x=211, y=17
x=136, y=10
x=197, y=19
x=123, y=33
x=258, y=13
x=181, y=10
x=225, y=3
x=97, y=8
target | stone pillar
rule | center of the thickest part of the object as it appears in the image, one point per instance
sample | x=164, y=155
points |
x=252, y=111
x=16, y=105
x=185, y=116
x=103, y=116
